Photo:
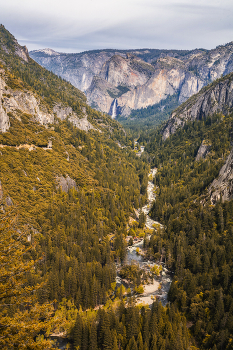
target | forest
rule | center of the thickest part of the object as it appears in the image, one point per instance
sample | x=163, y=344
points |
x=198, y=234
x=59, y=245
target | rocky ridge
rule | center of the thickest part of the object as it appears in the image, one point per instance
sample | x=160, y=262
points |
x=203, y=150
x=217, y=97
x=138, y=78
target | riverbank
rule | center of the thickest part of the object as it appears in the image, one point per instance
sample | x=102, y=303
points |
x=159, y=287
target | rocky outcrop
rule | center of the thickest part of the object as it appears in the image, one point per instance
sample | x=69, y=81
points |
x=138, y=78
x=217, y=97
x=10, y=45
x=222, y=187
x=101, y=94
x=62, y=112
x=22, y=52
x=203, y=150
x=66, y=183
x=1, y=192
x=8, y=201
x=67, y=112
x=12, y=101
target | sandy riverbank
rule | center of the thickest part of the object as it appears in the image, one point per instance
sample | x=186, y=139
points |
x=149, y=290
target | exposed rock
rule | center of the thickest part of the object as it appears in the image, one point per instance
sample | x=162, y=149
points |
x=158, y=87
x=100, y=94
x=222, y=187
x=1, y=191
x=217, y=97
x=68, y=157
x=67, y=112
x=120, y=71
x=15, y=100
x=62, y=112
x=203, y=150
x=66, y=183
x=135, y=82
x=191, y=86
x=8, y=201
x=4, y=119
x=78, y=69
x=82, y=123
x=22, y=52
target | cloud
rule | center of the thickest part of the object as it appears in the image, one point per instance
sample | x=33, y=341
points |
x=74, y=26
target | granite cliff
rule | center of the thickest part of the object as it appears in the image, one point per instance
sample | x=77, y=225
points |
x=137, y=78
x=217, y=97
x=222, y=187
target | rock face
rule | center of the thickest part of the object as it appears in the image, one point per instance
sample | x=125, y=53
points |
x=8, y=201
x=67, y=112
x=13, y=101
x=66, y=183
x=1, y=192
x=203, y=150
x=138, y=78
x=79, y=69
x=217, y=97
x=223, y=185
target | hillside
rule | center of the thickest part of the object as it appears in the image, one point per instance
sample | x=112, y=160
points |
x=214, y=98
x=69, y=187
x=194, y=202
x=67, y=173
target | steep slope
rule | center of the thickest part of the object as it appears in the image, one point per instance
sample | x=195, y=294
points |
x=68, y=172
x=217, y=97
x=194, y=171
x=80, y=68
x=147, y=76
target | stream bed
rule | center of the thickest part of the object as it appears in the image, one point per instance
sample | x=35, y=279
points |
x=160, y=286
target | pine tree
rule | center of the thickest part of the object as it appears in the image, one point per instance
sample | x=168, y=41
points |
x=93, y=336
x=21, y=315
x=139, y=341
x=78, y=328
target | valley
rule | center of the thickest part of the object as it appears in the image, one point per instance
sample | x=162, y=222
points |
x=100, y=247
x=158, y=286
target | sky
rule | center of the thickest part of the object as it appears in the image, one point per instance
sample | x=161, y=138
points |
x=80, y=25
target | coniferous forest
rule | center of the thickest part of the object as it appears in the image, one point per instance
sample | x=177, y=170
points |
x=65, y=215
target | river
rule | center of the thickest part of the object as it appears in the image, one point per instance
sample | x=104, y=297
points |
x=161, y=284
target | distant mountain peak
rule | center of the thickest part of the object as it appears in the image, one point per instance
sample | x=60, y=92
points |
x=47, y=51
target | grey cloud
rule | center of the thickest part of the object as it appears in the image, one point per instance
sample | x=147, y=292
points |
x=139, y=24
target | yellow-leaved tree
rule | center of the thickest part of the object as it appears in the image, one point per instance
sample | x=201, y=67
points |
x=23, y=320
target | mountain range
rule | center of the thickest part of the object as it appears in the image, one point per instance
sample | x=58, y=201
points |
x=119, y=81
